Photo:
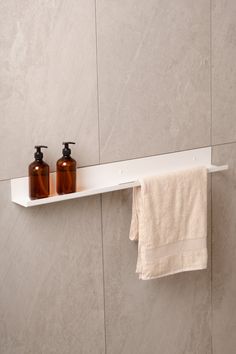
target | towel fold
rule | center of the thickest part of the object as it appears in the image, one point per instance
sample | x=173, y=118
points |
x=169, y=221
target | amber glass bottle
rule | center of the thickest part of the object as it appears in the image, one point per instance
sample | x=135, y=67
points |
x=66, y=171
x=38, y=176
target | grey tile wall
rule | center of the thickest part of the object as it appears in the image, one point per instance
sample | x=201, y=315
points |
x=51, y=282
x=154, y=76
x=224, y=251
x=48, y=87
x=223, y=71
x=154, y=97
x=164, y=316
x=223, y=187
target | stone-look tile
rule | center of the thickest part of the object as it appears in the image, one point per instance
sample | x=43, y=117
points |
x=47, y=81
x=51, y=283
x=224, y=251
x=164, y=316
x=224, y=71
x=154, y=76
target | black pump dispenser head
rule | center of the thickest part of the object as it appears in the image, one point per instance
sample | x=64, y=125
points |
x=67, y=151
x=39, y=155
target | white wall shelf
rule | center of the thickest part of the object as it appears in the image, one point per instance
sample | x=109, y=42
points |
x=116, y=176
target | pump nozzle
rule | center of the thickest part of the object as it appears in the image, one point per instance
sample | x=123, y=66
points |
x=67, y=151
x=38, y=154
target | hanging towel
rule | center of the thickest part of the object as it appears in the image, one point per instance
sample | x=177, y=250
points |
x=169, y=222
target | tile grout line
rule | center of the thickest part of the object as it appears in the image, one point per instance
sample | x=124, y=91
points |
x=211, y=265
x=211, y=138
x=101, y=204
x=211, y=96
x=103, y=274
x=97, y=76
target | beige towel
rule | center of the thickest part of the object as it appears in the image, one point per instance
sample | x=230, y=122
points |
x=169, y=221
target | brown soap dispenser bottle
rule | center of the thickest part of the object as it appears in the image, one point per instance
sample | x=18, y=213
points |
x=38, y=175
x=66, y=171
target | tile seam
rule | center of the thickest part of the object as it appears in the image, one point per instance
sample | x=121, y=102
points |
x=97, y=76
x=103, y=273
x=211, y=204
x=99, y=156
x=211, y=74
x=211, y=288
